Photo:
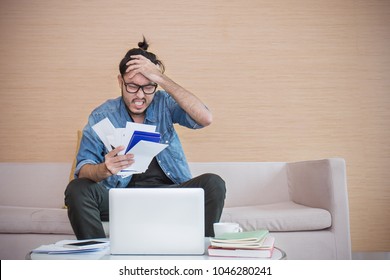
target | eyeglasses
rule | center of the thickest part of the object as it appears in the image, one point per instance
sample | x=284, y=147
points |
x=147, y=89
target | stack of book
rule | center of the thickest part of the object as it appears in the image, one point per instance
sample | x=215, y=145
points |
x=250, y=244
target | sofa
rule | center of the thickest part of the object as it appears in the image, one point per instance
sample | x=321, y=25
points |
x=303, y=204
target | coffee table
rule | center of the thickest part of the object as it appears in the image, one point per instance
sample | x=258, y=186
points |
x=278, y=254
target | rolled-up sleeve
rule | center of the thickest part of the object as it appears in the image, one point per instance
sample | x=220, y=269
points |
x=91, y=148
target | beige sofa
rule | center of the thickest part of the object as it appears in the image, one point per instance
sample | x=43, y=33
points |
x=303, y=204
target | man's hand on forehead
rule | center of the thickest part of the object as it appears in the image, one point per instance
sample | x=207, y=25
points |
x=142, y=65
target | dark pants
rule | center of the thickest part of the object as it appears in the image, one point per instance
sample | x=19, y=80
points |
x=87, y=204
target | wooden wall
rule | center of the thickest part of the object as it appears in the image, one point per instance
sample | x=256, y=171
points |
x=286, y=81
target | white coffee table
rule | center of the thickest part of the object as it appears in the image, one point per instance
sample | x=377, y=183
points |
x=278, y=254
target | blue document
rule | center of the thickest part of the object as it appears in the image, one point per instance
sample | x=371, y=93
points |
x=143, y=135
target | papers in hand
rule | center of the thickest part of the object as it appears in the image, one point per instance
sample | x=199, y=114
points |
x=144, y=152
x=140, y=140
x=63, y=247
x=142, y=136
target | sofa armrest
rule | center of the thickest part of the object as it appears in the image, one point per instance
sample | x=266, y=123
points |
x=318, y=183
x=323, y=184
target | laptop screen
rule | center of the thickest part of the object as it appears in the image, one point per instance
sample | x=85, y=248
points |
x=156, y=221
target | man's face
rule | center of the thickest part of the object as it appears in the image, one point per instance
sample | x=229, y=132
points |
x=137, y=102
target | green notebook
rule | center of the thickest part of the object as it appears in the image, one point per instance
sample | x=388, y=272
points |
x=243, y=240
x=244, y=236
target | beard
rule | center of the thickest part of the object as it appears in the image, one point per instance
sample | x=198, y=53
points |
x=129, y=103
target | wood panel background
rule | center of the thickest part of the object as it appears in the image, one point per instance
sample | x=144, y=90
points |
x=286, y=81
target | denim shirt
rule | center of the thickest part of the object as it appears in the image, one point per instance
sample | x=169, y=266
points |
x=163, y=112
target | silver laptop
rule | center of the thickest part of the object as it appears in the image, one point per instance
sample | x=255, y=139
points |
x=157, y=221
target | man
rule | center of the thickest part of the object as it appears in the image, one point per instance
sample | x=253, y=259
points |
x=140, y=73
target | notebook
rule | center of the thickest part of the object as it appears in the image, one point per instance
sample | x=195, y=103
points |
x=154, y=221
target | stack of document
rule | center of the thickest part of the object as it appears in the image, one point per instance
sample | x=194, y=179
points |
x=73, y=246
x=141, y=140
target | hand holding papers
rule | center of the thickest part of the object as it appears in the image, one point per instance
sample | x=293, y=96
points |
x=141, y=140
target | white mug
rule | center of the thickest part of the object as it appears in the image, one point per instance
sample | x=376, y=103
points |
x=221, y=228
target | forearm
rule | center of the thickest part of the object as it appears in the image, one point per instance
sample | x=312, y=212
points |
x=95, y=172
x=113, y=163
x=186, y=100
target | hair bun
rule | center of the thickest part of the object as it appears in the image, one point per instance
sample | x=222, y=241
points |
x=143, y=45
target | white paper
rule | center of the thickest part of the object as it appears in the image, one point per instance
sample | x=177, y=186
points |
x=131, y=127
x=116, y=139
x=103, y=129
x=143, y=153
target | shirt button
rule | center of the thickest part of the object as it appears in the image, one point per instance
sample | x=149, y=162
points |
x=166, y=142
x=168, y=174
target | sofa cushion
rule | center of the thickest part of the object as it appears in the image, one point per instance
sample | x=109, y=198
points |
x=34, y=220
x=283, y=216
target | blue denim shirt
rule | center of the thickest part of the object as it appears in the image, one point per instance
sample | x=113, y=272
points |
x=163, y=112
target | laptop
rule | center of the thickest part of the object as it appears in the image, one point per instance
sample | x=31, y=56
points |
x=157, y=221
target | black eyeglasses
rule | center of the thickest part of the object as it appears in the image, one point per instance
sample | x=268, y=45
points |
x=147, y=89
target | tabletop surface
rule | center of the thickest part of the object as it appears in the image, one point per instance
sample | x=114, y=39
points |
x=104, y=254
